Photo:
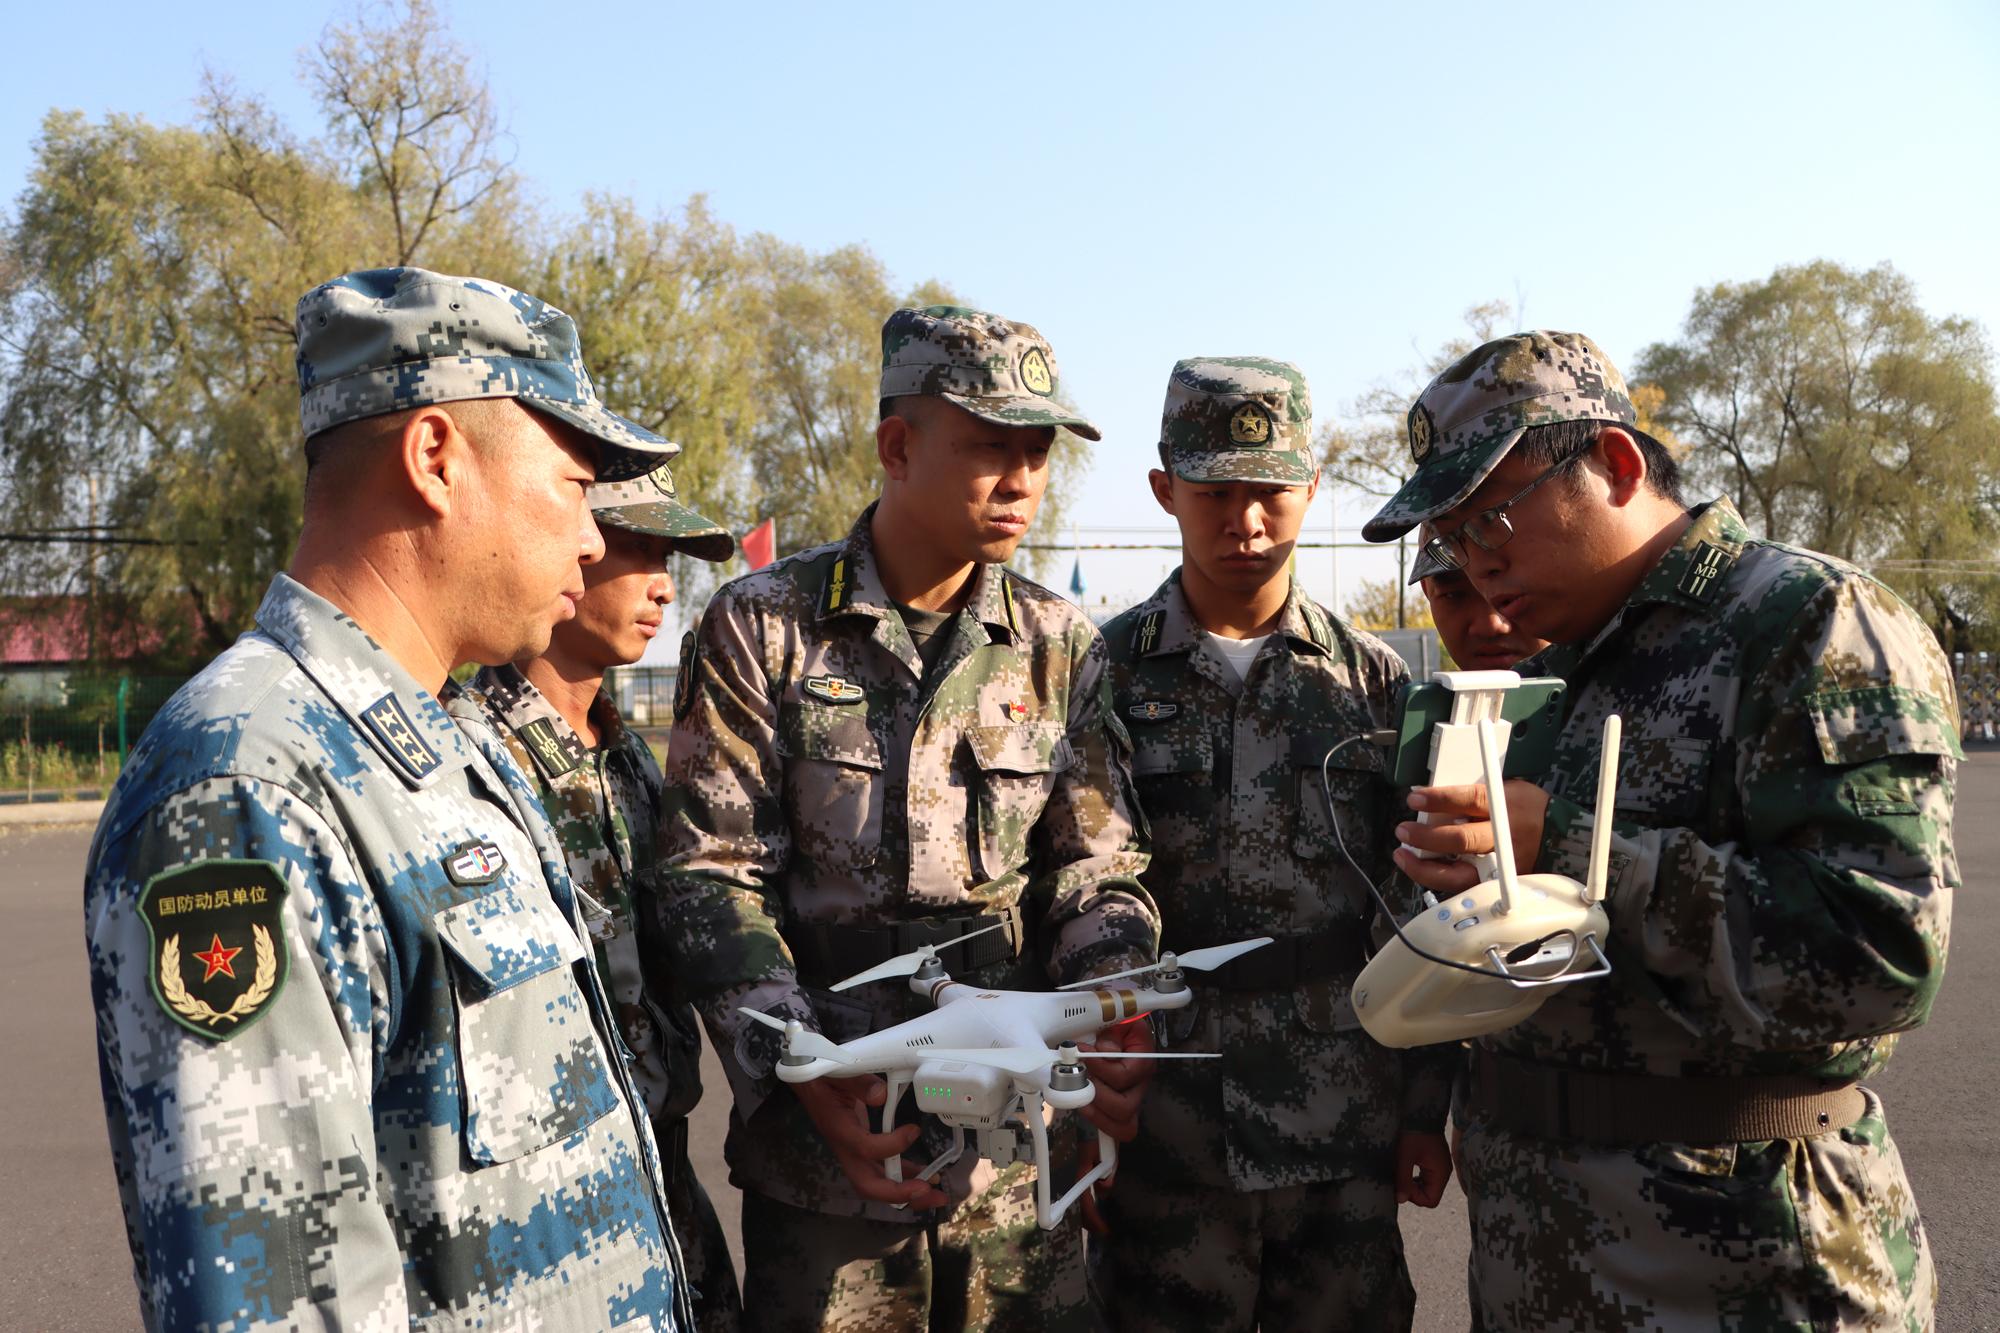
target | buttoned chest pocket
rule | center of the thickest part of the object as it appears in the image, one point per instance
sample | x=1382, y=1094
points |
x=1346, y=797
x=530, y=1063
x=1174, y=770
x=833, y=785
x=1017, y=768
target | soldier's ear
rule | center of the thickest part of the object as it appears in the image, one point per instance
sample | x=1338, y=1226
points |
x=1163, y=488
x=434, y=455
x=1624, y=465
x=892, y=447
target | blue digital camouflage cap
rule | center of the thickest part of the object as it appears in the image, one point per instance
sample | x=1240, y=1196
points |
x=385, y=339
x=652, y=504
x=1466, y=419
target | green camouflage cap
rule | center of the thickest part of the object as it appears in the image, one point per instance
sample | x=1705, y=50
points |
x=385, y=339
x=1238, y=418
x=1466, y=419
x=994, y=368
x=651, y=504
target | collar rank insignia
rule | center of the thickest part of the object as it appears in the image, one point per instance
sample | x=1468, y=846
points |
x=684, y=674
x=555, y=754
x=1146, y=635
x=218, y=958
x=1153, y=710
x=475, y=862
x=1015, y=712
x=833, y=689
x=392, y=726
x=1703, y=571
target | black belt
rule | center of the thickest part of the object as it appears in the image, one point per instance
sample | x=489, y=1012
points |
x=1292, y=960
x=826, y=952
x=1626, y=1110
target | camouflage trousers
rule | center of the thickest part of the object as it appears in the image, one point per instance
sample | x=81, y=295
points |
x=986, y=1265
x=698, y=1232
x=1309, y=1257
x=1817, y=1233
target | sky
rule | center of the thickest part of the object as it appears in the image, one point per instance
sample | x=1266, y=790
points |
x=1334, y=185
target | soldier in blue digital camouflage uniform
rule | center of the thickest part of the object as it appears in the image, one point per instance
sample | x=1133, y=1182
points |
x=600, y=785
x=359, y=1070
x=1686, y=1144
x=1262, y=1189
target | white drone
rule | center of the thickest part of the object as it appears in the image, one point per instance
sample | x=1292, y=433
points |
x=988, y=1060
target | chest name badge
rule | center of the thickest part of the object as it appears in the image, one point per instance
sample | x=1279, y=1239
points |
x=476, y=862
x=218, y=956
x=1153, y=710
x=833, y=689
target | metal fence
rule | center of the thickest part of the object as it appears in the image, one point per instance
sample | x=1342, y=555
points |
x=644, y=695
x=65, y=733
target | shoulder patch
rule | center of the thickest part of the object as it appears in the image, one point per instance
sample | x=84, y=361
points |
x=392, y=726
x=684, y=674
x=1319, y=627
x=1152, y=710
x=218, y=954
x=555, y=754
x=833, y=689
x=474, y=862
x=1146, y=634
x=1703, y=571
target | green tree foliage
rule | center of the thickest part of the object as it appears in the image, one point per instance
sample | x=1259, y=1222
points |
x=147, y=281
x=1373, y=606
x=1842, y=417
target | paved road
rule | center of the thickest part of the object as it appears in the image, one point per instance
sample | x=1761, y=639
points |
x=65, y=1264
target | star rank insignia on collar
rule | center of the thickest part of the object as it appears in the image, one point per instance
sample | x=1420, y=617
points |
x=833, y=689
x=218, y=960
x=392, y=726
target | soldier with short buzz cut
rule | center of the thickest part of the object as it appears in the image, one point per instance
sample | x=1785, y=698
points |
x=1262, y=1189
x=1686, y=1143
x=358, y=1068
x=600, y=785
x=885, y=742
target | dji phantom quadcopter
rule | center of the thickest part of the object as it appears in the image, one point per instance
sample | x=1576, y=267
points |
x=988, y=1060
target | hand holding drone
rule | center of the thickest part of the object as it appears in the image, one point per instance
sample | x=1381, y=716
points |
x=989, y=1061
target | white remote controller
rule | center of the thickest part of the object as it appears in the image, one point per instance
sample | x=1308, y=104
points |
x=1476, y=696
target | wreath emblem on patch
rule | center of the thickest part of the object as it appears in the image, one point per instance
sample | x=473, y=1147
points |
x=218, y=953
x=1421, y=431
x=1035, y=372
x=1250, y=424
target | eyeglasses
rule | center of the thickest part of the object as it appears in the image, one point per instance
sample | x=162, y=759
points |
x=1490, y=529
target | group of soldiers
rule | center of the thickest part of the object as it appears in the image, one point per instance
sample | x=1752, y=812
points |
x=433, y=1065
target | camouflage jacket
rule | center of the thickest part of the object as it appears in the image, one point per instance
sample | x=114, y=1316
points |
x=814, y=775
x=1229, y=777
x=383, y=1096
x=603, y=803
x=1781, y=877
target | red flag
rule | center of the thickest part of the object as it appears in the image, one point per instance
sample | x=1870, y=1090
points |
x=760, y=544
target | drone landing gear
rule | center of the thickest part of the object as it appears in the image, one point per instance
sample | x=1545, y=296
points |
x=1050, y=1214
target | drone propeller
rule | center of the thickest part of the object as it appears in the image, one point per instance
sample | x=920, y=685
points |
x=905, y=964
x=798, y=1041
x=1201, y=960
x=1028, y=1059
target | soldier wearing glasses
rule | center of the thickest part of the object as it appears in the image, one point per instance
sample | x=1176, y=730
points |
x=1686, y=1143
